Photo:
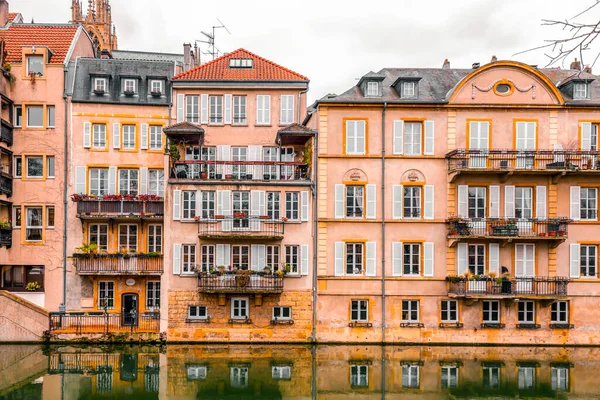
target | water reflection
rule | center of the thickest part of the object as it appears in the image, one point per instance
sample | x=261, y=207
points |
x=276, y=372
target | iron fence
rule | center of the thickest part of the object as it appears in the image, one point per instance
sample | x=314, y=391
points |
x=224, y=226
x=6, y=237
x=240, y=170
x=104, y=323
x=521, y=286
x=6, y=133
x=240, y=283
x=6, y=184
x=120, y=207
x=118, y=264
x=506, y=227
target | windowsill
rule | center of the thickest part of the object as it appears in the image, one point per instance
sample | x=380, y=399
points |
x=564, y=325
x=284, y=124
x=451, y=325
x=198, y=320
x=240, y=124
x=263, y=125
x=493, y=325
x=528, y=326
x=360, y=324
x=282, y=321
x=294, y=276
x=187, y=275
x=216, y=124
x=412, y=325
x=240, y=321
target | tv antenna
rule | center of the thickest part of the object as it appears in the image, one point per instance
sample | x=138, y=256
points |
x=210, y=40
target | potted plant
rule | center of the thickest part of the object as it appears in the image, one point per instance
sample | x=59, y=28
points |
x=33, y=286
x=4, y=225
x=247, y=176
x=88, y=248
x=129, y=93
x=228, y=176
x=242, y=277
x=156, y=93
x=203, y=175
x=267, y=270
x=279, y=273
x=174, y=152
x=266, y=177
x=264, y=217
x=239, y=215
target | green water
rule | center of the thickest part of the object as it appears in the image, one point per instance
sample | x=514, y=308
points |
x=298, y=372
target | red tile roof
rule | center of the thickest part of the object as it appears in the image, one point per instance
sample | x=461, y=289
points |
x=262, y=70
x=12, y=16
x=57, y=38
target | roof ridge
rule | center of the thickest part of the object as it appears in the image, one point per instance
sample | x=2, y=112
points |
x=275, y=64
x=205, y=64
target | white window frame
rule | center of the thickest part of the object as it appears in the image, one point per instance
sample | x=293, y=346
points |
x=98, y=236
x=490, y=312
x=475, y=195
x=479, y=267
x=281, y=372
x=100, y=84
x=29, y=57
x=273, y=205
x=559, y=312
x=292, y=206
x=196, y=372
x=372, y=89
x=408, y=308
x=448, y=311
x=280, y=311
x=413, y=138
x=36, y=107
x=359, y=375
x=354, y=201
x=580, y=90
x=155, y=232
x=208, y=257
x=240, y=110
x=449, y=376
x=494, y=382
x=50, y=224
x=357, y=268
x=156, y=182
x=192, y=108
x=292, y=252
x=359, y=310
x=239, y=252
x=208, y=204
x=50, y=167
x=18, y=116
x=29, y=158
x=128, y=137
x=526, y=312
x=18, y=167
x=99, y=136
x=188, y=205
x=585, y=265
x=104, y=289
x=411, y=376
x=216, y=112
x=98, y=176
x=409, y=89
x=560, y=379
x=17, y=217
x=153, y=295
x=29, y=227
x=408, y=253
x=129, y=178
x=156, y=86
x=352, y=142
x=130, y=237
x=188, y=251
x=50, y=116
x=239, y=304
x=155, y=137
x=197, y=312
x=238, y=377
x=408, y=197
x=591, y=212
x=272, y=257
x=129, y=85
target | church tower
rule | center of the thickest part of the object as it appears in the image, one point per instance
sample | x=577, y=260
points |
x=98, y=23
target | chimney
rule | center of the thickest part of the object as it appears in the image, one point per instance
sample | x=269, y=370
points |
x=575, y=65
x=187, y=50
x=587, y=69
x=3, y=12
x=494, y=59
x=475, y=65
x=446, y=64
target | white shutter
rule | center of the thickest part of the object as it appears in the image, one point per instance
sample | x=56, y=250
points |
x=371, y=201
x=429, y=196
x=262, y=198
x=144, y=136
x=80, y=175
x=254, y=257
x=461, y=258
x=143, y=180
x=261, y=257
x=429, y=138
x=304, y=259
x=371, y=259
x=495, y=258
x=204, y=109
x=283, y=100
x=398, y=136
x=574, y=269
x=255, y=154
x=219, y=257
x=176, y=259
x=116, y=136
x=575, y=203
x=586, y=135
x=540, y=200
x=224, y=199
x=339, y=259
x=397, y=193
x=509, y=201
x=87, y=135
x=112, y=180
x=199, y=212
x=428, y=250
x=223, y=154
x=267, y=109
x=259, y=110
x=339, y=200
x=176, y=205
x=228, y=102
x=463, y=201
x=255, y=196
x=223, y=258
x=494, y=201
x=397, y=258
x=304, y=205
x=180, y=107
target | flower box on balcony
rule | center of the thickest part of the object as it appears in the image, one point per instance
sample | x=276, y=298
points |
x=219, y=217
x=228, y=176
x=99, y=92
x=129, y=93
x=156, y=93
x=505, y=230
x=264, y=217
x=218, y=176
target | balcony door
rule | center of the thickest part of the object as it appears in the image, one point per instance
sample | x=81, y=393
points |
x=524, y=267
x=479, y=143
x=129, y=309
x=524, y=210
x=241, y=210
x=239, y=154
x=526, y=143
x=477, y=210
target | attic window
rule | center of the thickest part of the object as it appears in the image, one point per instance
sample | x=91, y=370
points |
x=240, y=63
x=372, y=89
x=408, y=89
x=580, y=90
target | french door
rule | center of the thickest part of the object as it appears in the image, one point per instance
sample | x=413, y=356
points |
x=524, y=267
x=479, y=140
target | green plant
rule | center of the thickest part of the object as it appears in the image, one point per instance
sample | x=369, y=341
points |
x=455, y=278
x=279, y=273
x=4, y=225
x=242, y=277
x=308, y=153
x=33, y=286
x=88, y=248
x=174, y=152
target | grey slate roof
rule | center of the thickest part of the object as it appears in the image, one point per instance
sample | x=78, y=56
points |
x=147, y=56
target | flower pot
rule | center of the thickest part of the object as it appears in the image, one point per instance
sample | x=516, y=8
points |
x=228, y=176
x=542, y=233
x=203, y=175
x=129, y=93
x=218, y=176
x=267, y=177
x=561, y=233
x=551, y=234
x=248, y=176
x=99, y=92
x=156, y=94
x=264, y=217
x=219, y=217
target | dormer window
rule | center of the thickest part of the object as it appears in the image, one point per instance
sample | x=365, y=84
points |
x=100, y=85
x=156, y=87
x=240, y=63
x=580, y=90
x=408, y=89
x=129, y=86
x=35, y=65
x=373, y=89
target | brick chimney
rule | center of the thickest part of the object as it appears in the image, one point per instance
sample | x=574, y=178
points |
x=587, y=69
x=575, y=65
x=187, y=53
x=3, y=12
x=475, y=65
x=446, y=64
x=494, y=59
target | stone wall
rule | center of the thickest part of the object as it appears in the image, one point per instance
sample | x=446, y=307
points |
x=21, y=320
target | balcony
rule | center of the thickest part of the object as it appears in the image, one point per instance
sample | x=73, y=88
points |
x=6, y=237
x=240, y=283
x=249, y=171
x=101, y=322
x=118, y=264
x=230, y=227
x=6, y=132
x=99, y=208
x=535, y=287
x=535, y=162
x=6, y=178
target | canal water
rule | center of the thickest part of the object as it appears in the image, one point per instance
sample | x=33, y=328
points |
x=29, y=372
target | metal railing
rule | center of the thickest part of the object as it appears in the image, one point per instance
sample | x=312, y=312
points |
x=240, y=170
x=6, y=184
x=235, y=283
x=117, y=264
x=120, y=207
x=503, y=227
x=534, y=286
x=6, y=133
x=6, y=237
x=525, y=160
x=230, y=226
x=101, y=322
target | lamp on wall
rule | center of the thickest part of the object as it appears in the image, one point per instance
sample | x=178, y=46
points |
x=33, y=49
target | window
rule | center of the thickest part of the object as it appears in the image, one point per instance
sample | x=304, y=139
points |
x=100, y=85
x=412, y=202
x=216, y=109
x=239, y=154
x=128, y=181
x=35, y=116
x=589, y=203
x=35, y=65
x=359, y=375
x=208, y=204
x=491, y=312
x=477, y=202
x=408, y=89
x=241, y=205
x=238, y=377
x=241, y=257
x=50, y=166
x=526, y=378
x=50, y=217
x=560, y=379
x=491, y=377
x=153, y=295
x=128, y=142
x=291, y=206
x=271, y=154
x=560, y=312
x=524, y=202
x=189, y=204
x=272, y=260
x=359, y=311
x=286, y=116
x=355, y=201
x=99, y=136
x=106, y=295
x=354, y=258
x=372, y=89
x=18, y=172
x=156, y=182
x=239, y=308
x=240, y=63
x=155, y=238
x=476, y=259
x=18, y=116
x=239, y=110
x=35, y=166
x=34, y=224
x=189, y=258
x=356, y=136
x=197, y=312
x=287, y=154
x=129, y=85
x=291, y=258
x=282, y=313
x=156, y=86
x=207, y=261
x=411, y=258
x=195, y=373
x=588, y=260
x=191, y=107
x=580, y=91
x=410, y=376
x=51, y=111
x=263, y=110
x=449, y=377
x=155, y=137
x=99, y=181
x=526, y=311
x=410, y=311
x=449, y=311
x=13, y=277
x=594, y=137
x=412, y=138
x=98, y=234
x=273, y=205
x=281, y=372
x=16, y=217
x=128, y=238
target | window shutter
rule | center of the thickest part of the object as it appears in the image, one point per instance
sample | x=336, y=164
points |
x=143, y=180
x=463, y=201
x=259, y=110
x=461, y=258
x=339, y=258
x=428, y=250
x=219, y=257
x=223, y=154
x=180, y=107
x=116, y=136
x=176, y=259
x=261, y=203
x=371, y=259
x=204, y=109
x=144, y=136
x=255, y=209
x=255, y=154
x=429, y=138
x=339, y=201
x=397, y=258
x=282, y=109
x=586, y=135
x=304, y=205
x=351, y=137
x=267, y=109
x=494, y=201
x=87, y=135
x=398, y=136
x=224, y=198
x=371, y=201
x=429, y=206
x=540, y=200
x=575, y=263
x=397, y=193
x=112, y=180
x=228, y=101
x=304, y=259
x=80, y=175
x=261, y=257
x=291, y=109
x=199, y=204
x=575, y=203
x=176, y=205
x=509, y=201
x=361, y=137
x=495, y=258
x=254, y=257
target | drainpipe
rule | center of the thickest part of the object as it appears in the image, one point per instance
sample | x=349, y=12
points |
x=314, y=187
x=63, y=306
x=383, y=222
x=300, y=101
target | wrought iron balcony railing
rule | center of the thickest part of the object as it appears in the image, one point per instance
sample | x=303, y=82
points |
x=238, y=283
x=498, y=228
x=232, y=227
x=6, y=180
x=6, y=237
x=117, y=264
x=239, y=170
x=101, y=322
x=6, y=132
x=513, y=287
x=95, y=208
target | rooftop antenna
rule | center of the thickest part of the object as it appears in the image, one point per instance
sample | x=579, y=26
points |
x=210, y=40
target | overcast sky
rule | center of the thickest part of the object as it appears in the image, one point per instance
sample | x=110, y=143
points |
x=336, y=42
